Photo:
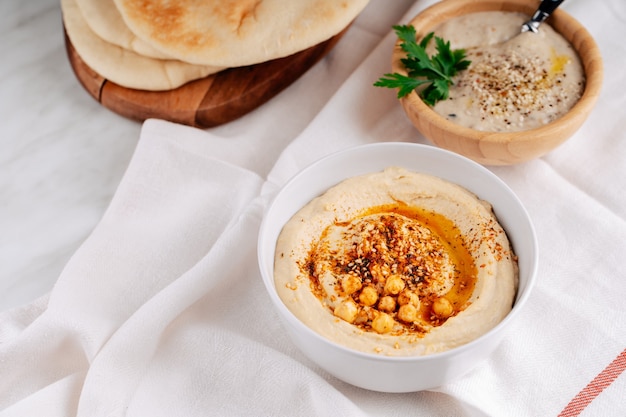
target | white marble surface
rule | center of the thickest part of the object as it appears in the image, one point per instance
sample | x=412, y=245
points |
x=63, y=154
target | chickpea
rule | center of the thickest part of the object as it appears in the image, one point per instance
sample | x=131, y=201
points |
x=347, y=310
x=387, y=303
x=408, y=297
x=368, y=296
x=407, y=313
x=383, y=323
x=351, y=284
x=361, y=317
x=442, y=307
x=394, y=285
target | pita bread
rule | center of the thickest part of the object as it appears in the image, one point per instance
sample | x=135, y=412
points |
x=234, y=33
x=122, y=66
x=105, y=20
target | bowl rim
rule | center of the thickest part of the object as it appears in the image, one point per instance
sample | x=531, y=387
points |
x=267, y=276
x=592, y=65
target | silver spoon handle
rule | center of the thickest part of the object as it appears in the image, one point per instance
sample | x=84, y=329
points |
x=543, y=12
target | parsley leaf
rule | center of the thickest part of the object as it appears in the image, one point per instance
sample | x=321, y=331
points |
x=436, y=71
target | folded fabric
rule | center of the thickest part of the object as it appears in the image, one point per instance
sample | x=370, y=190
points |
x=174, y=222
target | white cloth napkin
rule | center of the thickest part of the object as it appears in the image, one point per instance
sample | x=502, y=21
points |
x=162, y=311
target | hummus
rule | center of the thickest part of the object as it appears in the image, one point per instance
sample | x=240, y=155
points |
x=516, y=81
x=396, y=263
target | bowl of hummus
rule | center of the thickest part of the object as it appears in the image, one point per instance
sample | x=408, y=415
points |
x=522, y=95
x=397, y=267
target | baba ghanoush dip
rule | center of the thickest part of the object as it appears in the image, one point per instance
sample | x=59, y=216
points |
x=396, y=263
x=516, y=81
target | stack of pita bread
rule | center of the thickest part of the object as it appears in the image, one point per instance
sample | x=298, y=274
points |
x=160, y=45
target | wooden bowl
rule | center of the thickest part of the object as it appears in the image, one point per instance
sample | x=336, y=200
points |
x=503, y=148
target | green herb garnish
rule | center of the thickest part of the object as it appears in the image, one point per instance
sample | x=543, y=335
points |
x=436, y=71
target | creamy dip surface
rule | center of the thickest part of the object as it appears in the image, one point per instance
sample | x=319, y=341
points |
x=396, y=263
x=516, y=81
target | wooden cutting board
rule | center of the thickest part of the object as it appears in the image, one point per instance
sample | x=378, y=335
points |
x=207, y=102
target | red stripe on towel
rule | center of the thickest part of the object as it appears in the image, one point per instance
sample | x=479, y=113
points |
x=595, y=387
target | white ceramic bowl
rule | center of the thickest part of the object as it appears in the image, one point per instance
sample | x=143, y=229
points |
x=383, y=373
